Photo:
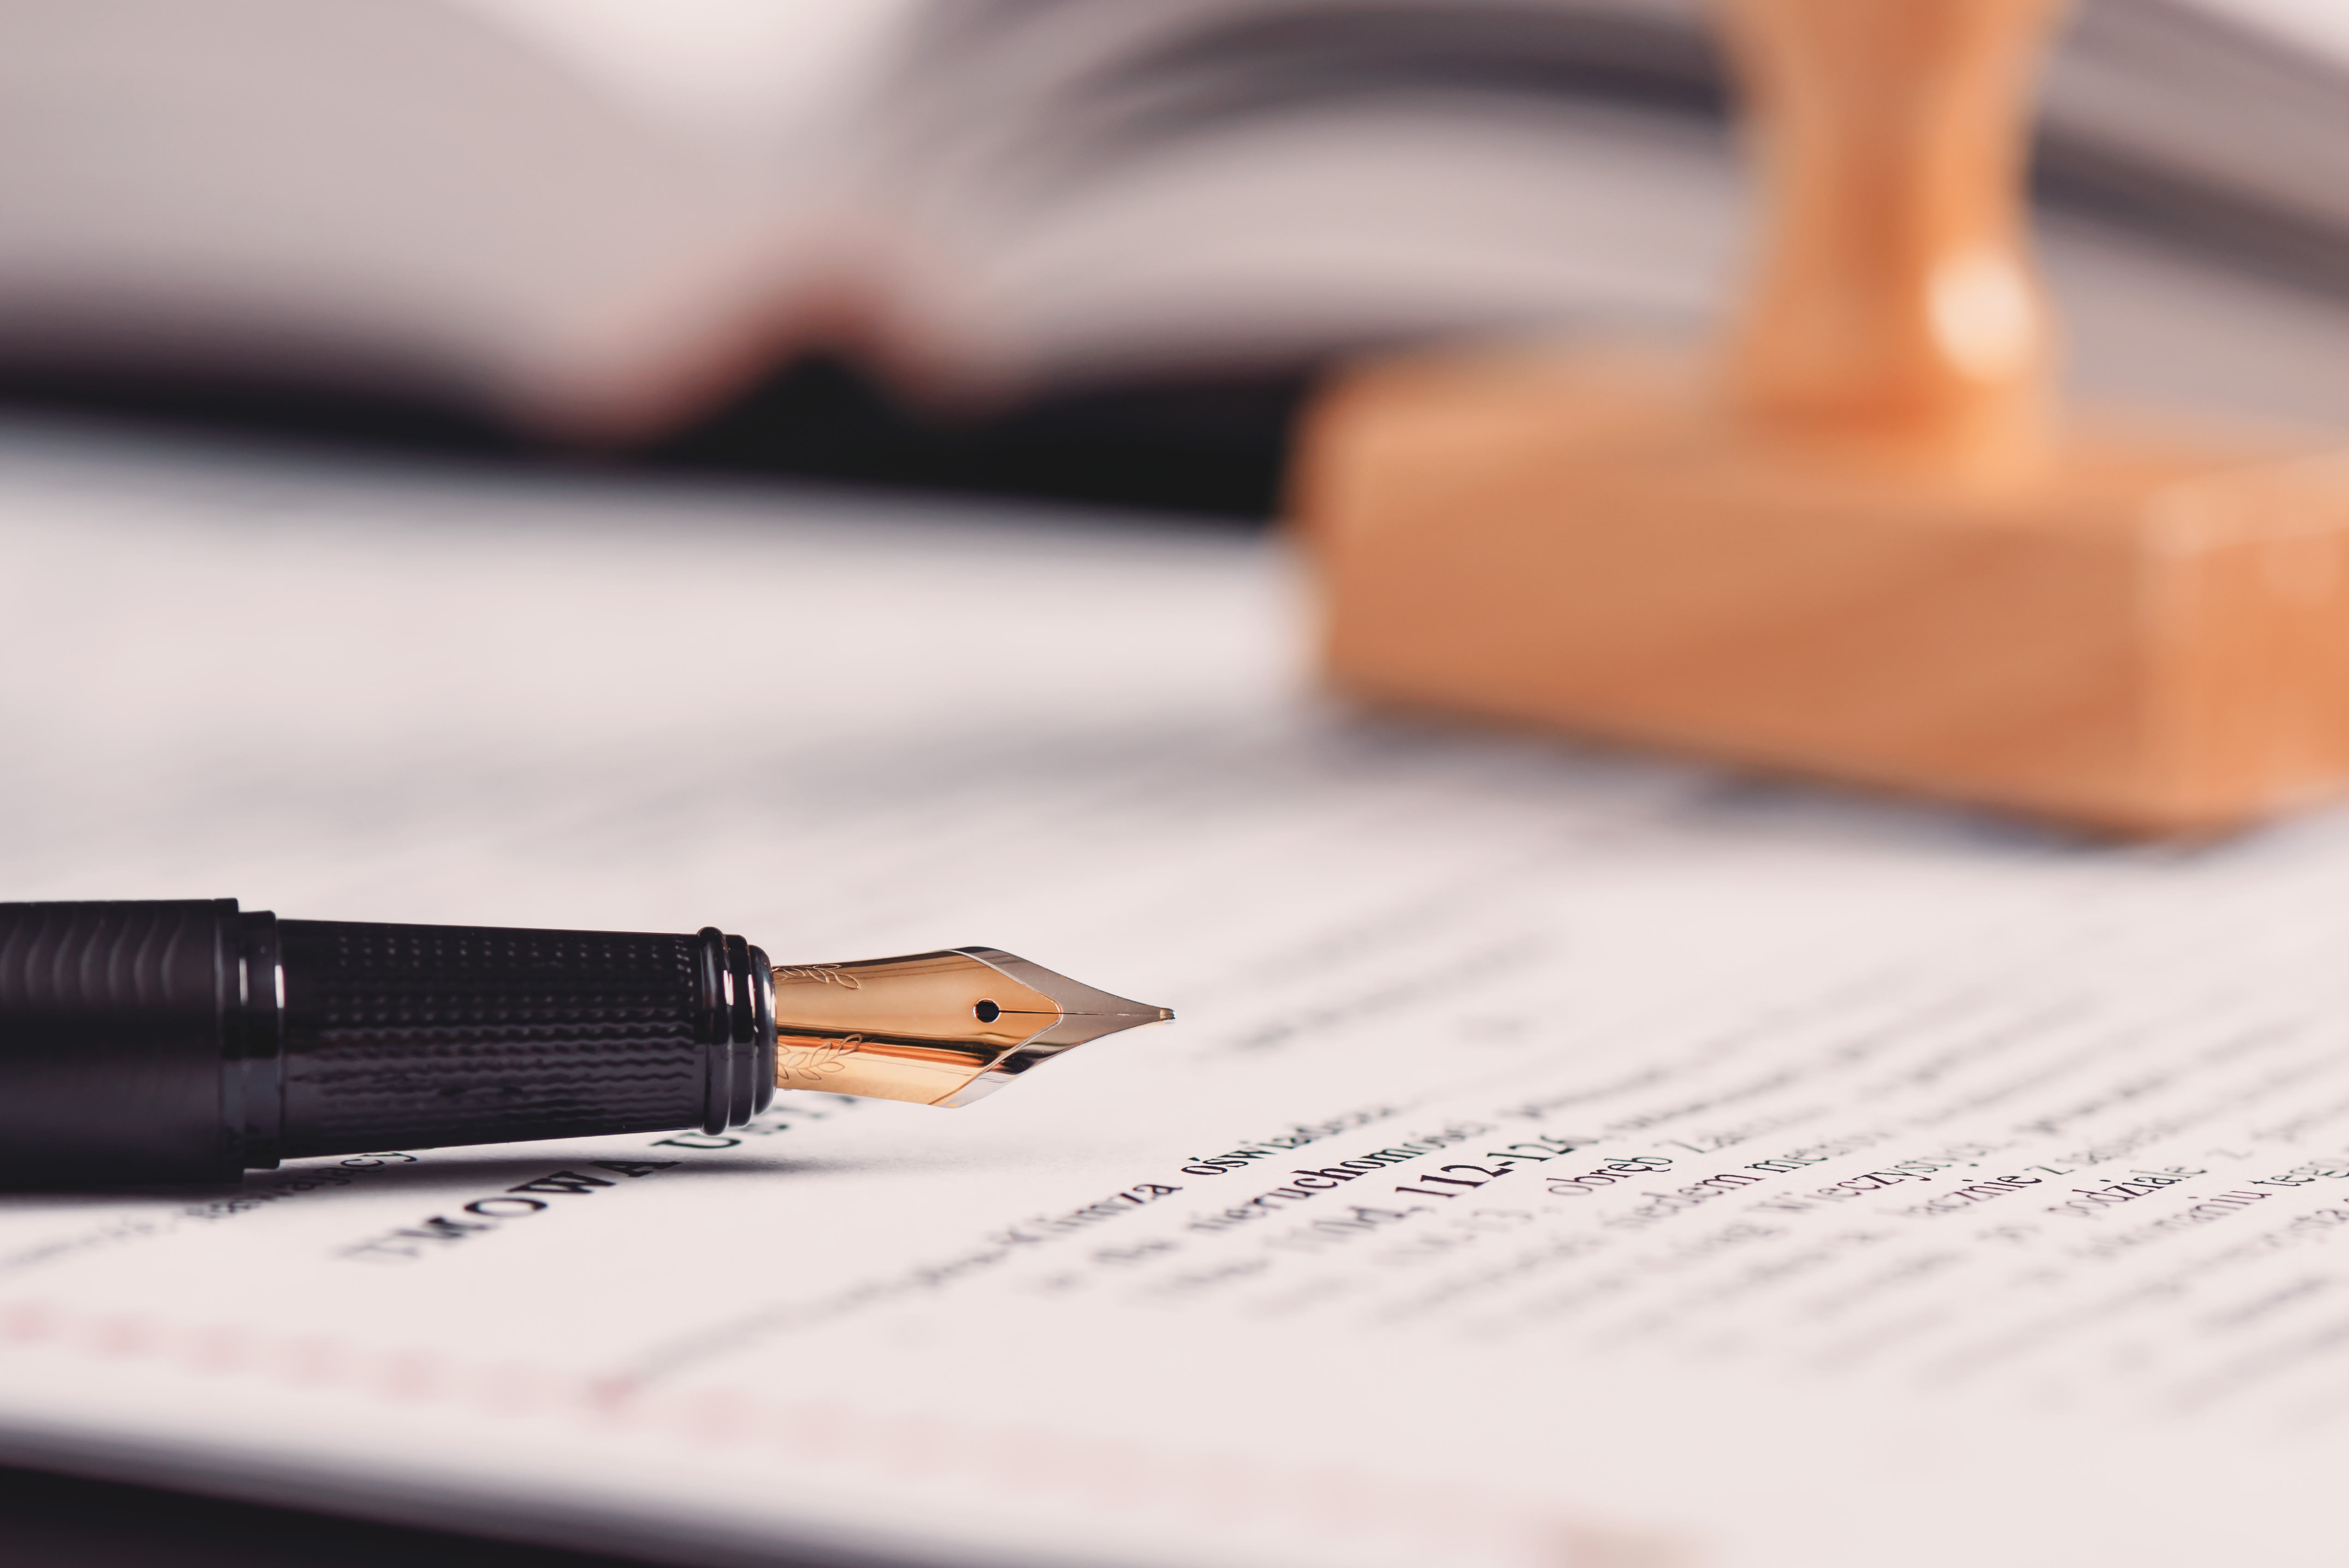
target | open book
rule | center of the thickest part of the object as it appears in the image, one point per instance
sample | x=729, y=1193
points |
x=1561, y=1161
x=599, y=221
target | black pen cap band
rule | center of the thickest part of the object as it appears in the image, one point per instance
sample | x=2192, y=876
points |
x=190, y=1040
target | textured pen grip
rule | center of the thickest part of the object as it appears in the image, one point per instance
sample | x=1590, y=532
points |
x=409, y=1035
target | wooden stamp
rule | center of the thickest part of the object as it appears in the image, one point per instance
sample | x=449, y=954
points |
x=1861, y=542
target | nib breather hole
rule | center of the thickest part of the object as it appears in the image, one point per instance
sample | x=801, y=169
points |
x=987, y=1012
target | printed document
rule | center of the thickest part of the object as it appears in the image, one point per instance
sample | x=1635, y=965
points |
x=1560, y=1157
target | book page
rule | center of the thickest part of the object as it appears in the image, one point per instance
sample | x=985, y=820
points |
x=1560, y=1157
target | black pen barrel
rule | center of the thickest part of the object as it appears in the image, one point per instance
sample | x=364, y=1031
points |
x=190, y=1040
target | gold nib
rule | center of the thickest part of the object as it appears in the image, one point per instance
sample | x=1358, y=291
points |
x=938, y=1028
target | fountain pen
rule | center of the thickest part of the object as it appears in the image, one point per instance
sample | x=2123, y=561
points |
x=190, y=1040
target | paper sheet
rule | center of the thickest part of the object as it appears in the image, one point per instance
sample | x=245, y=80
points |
x=1560, y=1159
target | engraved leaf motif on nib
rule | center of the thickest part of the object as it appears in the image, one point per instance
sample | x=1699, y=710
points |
x=810, y=1062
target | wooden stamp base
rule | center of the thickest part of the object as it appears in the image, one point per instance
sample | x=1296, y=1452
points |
x=2150, y=636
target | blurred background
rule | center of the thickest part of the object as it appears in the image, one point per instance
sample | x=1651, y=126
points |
x=324, y=329
x=1093, y=252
